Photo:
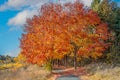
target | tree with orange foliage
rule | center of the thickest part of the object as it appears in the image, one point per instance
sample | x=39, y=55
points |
x=62, y=29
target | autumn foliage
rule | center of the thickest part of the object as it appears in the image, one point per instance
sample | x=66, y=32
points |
x=61, y=29
x=20, y=58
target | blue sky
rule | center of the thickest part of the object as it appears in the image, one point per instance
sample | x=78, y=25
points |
x=13, y=14
x=8, y=38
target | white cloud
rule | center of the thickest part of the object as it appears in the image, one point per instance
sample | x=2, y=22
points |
x=12, y=4
x=18, y=4
x=87, y=2
x=31, y=9
x=20, y=18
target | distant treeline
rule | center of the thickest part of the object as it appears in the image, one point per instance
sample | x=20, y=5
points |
x=6, y=59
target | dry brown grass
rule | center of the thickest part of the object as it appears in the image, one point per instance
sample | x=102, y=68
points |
x=102, y=72
x=32, y=72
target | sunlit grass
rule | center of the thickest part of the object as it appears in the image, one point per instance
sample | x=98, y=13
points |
x=102, y=72
x=11, y=65
x=30, y=72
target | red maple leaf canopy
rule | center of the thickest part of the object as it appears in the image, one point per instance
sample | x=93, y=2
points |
x=59, y=29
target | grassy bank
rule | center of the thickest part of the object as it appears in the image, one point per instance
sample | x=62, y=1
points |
x=102, y=72
x=32, y=72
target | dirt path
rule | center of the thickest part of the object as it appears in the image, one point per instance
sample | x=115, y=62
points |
x=67, y=74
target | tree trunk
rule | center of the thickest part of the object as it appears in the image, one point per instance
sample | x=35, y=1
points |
x=58, y=62
x=75, y=54
x=75, y=58
x=65, y=61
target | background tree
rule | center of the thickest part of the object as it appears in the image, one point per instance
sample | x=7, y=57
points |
x=109, y=13
x=20, y=59
x=62, y=29
x=95, y=5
